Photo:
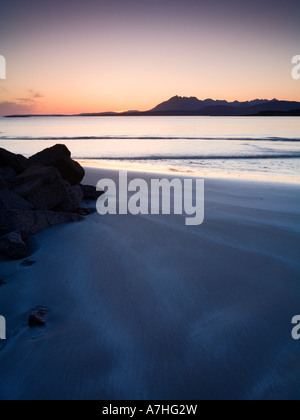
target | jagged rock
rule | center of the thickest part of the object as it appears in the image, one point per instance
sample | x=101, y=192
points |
x=72, y=201
x=8, y=175
x=10, y=201
x=3, y=184
x=90, y=193
x=60, y=157
x=32, y=173
x=12, y=246
x=37, y=318
x=7, y=172
x=83, y=211
x=36, y=194
x=41, y=186
x=17, y=162
x=29, y=222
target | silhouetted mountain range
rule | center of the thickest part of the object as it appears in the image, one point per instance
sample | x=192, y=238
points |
x=178, y=103
x=193, y=106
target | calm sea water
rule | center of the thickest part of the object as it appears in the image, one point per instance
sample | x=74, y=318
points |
x=243, y=145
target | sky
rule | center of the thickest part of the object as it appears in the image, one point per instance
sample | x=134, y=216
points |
x=73, y=56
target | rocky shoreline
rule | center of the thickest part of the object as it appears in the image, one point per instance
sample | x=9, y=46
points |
x=38, y=193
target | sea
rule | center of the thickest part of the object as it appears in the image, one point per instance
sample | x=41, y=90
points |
x=264, y=147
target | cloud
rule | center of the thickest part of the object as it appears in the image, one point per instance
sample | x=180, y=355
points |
x=15, y=108
x=25, y=100
x=21, y=105
x=35, y=94
x=32, y=99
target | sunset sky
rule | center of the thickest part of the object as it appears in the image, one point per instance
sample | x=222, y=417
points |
x=71, y=56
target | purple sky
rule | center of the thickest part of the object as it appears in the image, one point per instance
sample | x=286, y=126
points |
x=74, y=55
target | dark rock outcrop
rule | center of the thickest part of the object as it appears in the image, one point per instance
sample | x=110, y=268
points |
x=13, y=246
x=17, y=162
x=37, y=318
x=3, y=184
x=31, y=222
x=83, y=211
x=72, y=200
x=60, y=157
x=8, y=175
x=41, y=186
x=90, y=193
x=11, y=201
x=38, y=193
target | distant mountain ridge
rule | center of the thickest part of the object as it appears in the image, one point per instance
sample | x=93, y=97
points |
x=179, y=103
x=194, y=106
